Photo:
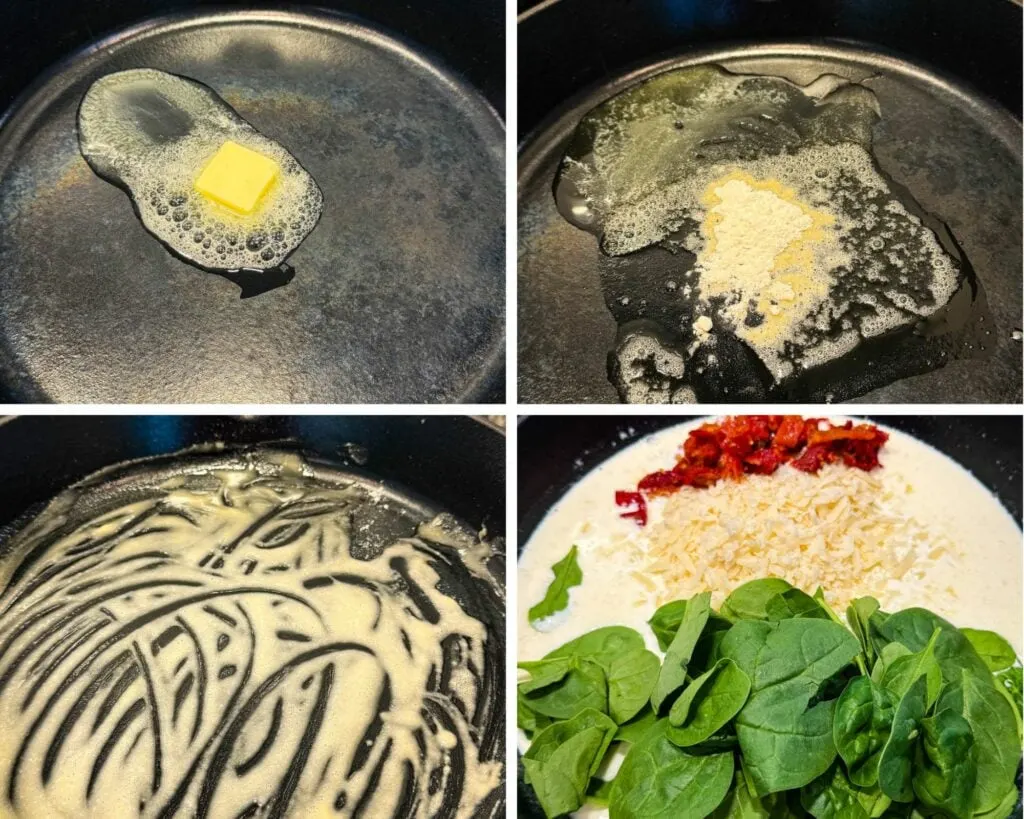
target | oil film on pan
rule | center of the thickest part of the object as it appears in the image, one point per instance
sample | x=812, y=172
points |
x=776, y=219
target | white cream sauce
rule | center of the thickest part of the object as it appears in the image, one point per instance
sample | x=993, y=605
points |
x=219, y=648
x=986, y=577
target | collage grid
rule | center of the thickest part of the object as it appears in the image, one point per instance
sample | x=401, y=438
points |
x=312, y=316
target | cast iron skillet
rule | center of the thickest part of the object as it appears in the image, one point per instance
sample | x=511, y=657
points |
x=950, y=89
x=424, y=466
x=555, y=453
x=455, y=462
x=396, y=296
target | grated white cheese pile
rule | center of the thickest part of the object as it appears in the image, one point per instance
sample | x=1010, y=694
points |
x=842, y=529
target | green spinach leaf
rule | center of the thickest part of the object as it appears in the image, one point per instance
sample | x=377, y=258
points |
x=750, y=601
x=634, y=730
x=556, y=599
x=994, y=651
x=544, y=673
x=903, y=671
x=896, y=764
x=945, y=771
x=886, y=657
x=953, y=651
x=527, y=719
x=785, y=739
x=657, y=779
x=1011, y=685
x=562, y=759
x=793, y=603
x=833, y=796
x=993, y=727
x=708, y=704
x=673, y=672
x=602, y=645
x=666, y=621
x=1005, y=807
x=584, y=686
x=740, y=804
x=858, y=615
x=631, y=678
x=861, y=727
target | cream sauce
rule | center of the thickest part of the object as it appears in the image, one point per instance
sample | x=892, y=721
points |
x=218, y=648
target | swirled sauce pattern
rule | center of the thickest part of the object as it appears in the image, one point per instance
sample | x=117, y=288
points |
x=219, y=648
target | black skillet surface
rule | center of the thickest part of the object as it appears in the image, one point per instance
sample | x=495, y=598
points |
x=397, y=295
x=956, y=146
x=422, y=467
x=555, y=453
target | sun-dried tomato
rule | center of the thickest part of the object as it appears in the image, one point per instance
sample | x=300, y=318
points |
x=664, y=480
x=791, y=433
x=757, y=445
x=813, y=459
x=764, y=461
x=702, y=445
x=636, y=500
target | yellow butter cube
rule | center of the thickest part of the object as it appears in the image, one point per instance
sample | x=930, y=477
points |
x=237, y=177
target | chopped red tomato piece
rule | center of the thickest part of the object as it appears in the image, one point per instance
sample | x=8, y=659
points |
x=791, y=433
x=757, y=445
x=764, y=461
x=636, y=500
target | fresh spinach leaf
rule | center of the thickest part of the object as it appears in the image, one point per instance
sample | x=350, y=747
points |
x=833, y=796
x=858, y=615
x=708, y=704
x=953, y=651
x=993, y=727
x=740, y=804
x=876, y=624
x=673, y=671
x=786, y=741
x=888, y=655
x=556, y=598
x=631, y=678
x=896, y=764
x=657, y=779
x=945, y=772
x=584, y=686
x=1011, y=685
x=793, y=603
x=562, y=759
x=1012, y=682
x=903, y=671
x=1005, y=807
x=634, y=730
x=544, y=673
x=861, y=727
x=527, y=719
x=750, y=601
x=602, y=645
x=994, y=651
x=665, y=622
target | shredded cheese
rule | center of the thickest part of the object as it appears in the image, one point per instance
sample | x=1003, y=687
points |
x=842, y=529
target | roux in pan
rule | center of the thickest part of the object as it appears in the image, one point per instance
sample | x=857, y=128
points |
x=222, y=648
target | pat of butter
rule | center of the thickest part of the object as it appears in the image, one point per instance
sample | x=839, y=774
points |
x=237, y=177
